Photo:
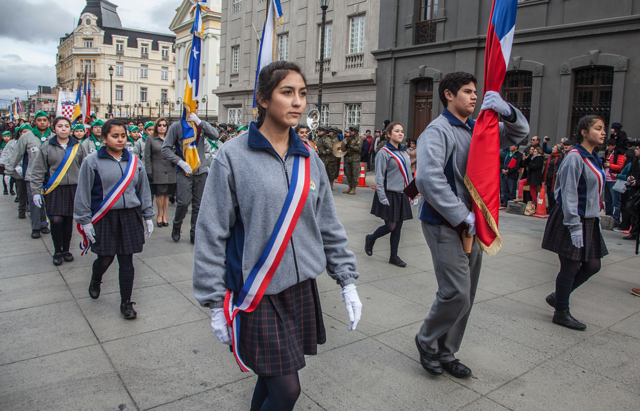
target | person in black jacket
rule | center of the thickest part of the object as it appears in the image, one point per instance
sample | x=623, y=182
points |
x=534, y=162
x=509, y=177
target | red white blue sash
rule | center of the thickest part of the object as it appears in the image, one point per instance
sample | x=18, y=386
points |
x=110, y=200
x=401, y=164
x=593, y=166
x=262, y=273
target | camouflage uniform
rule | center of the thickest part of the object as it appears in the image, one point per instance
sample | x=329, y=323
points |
x=325, y=144
x=352, y=159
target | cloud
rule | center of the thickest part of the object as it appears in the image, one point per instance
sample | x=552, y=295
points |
x=38, y=22
x=28, y=75
x=12, y=57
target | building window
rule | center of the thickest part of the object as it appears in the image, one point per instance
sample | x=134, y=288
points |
x=236, y=5
x=165, y=53
x=235, y=59
x=119, y=93
x=592, y=92
x=328, y=30
x=119, y=69
x=143, y=93
x=354, y=112
x=88, y=43
x=429, y=9
x=356, y=36
x=234, y=116
x=324, y=115
x=144, y=51
x=516, y=90
x=283, y=47
x=144, y=71
x=426, y=27
x=164, y=73
x=87, y=66
x=119, y=48
x=164, y=95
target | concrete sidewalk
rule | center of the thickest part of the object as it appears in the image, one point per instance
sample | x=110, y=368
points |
x=62, y=350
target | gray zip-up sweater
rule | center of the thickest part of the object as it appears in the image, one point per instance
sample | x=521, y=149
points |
x=99, y=174
x=448, y=139
x=138, y=149
x=5, y=158
x=25, y=150
x=242, y=201
x=89, y=145
x=173, y=140
x=49, y=158
x=388, y=174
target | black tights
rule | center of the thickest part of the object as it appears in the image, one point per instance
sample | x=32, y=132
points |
x=394, y=228
x=276, y=393
x=571, y=276
x=61, y=230
x=101, y=265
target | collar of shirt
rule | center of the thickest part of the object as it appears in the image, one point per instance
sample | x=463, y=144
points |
x=455, y=121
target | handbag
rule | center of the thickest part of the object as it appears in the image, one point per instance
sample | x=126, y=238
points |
x=633, y=204
x=620, y=186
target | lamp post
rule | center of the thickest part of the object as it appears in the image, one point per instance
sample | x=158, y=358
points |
x=158, y=107
x=110, y=91
x=178, y=103
x=126, y=107
x=205, y=99
x=28, y=103
x=149, y=107
x=324, y=5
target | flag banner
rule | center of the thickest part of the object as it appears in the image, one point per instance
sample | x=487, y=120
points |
x=77, y=111
x=482, y=177
x=19, y=106
x=267, y=52
x=65, y=106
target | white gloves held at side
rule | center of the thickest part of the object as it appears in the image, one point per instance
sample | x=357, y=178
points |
x=354, y=306
x=493, y=101
x=576, y=239
x=193, y=117
x=149, y=227
x=7, y=180
x=37, y=200
x=89, y=232
x=220, y=327
x=471, y=221
x=19, y=170
x=185, y=166
x=384, y=201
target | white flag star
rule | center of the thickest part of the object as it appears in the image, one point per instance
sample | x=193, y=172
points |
x=195, y=53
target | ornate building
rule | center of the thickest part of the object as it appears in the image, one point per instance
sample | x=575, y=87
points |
x=143, y=79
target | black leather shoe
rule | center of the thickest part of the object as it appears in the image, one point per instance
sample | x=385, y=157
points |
x=192, y=238
x=12, y=192
x=629, y=237
x=67, y=256
x=175, y=233
x=126, y=308
x=94, y=289
x=395, y=260
x=21, y=214
x=159, y=223
x=45, y=230
x=165, y=224
x=551, y=299
x=430, y=362
x=368, y=244
x=57, y=259
x=565, y=319
x=35, y=233
x=15, y=200
x=457, y=369
x=172, y=199
x=6, y=193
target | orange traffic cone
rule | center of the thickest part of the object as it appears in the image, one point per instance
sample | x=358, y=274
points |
x=363, y=178
x=341, y=172
x=541, y=210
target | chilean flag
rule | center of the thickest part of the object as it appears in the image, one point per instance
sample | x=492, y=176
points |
x=482, y=178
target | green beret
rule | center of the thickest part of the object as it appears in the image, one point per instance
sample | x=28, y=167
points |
x=77, y=127
x=97, y=123
x=323, y=128
x=134, y=128
x=241, y=128
x=25, y=126
x=6, y=133
x=149, y=124
x=41, y=114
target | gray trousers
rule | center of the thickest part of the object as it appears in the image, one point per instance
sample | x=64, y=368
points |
x=457, y=274
x=188, y=190
x=38, y=215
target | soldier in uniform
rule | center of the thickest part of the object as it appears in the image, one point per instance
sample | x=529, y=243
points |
x=222, y=128
x=231, y=131
x=324, y=144
x=352, y=158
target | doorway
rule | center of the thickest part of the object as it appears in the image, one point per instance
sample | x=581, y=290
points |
x=423, y=102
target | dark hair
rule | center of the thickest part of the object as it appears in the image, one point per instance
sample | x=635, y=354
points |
x=59, y=119
x=454, y=82
x=611, y=142
x=368, y=131
x=630, y=157
x=269, y=78
x=585, y=124
x=155, y=126
x=390, y=127
x=114, y=122
x=300, y=127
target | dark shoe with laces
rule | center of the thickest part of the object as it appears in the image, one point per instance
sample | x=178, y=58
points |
x=35, y=233
x=126, y=308
x=57, y=259
x=565, y=319
x=21, y=214
x=397, y=261
x=94, y=289
x=192, y=238
x=369, y=242
x=45, y=230
x=5, y=192
x=430, y=362
x=551, y=299
x=175, y=233
x=629, y=237
x=67, y=256
x=12, y=192
x=15, y=200
x=456, y=369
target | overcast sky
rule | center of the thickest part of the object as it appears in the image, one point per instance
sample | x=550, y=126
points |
x=30, y=34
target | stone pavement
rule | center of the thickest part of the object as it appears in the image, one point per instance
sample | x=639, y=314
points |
x=61, y=350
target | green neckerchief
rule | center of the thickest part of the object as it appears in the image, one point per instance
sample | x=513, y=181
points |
x=95, y=141
x=36, y=133
x=3, y=145
x=130, y=139
x=213, y=143
x=143, y=137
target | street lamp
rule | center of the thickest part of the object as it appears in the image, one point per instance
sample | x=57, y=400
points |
x=205, y=99
x=110, y=90
x=149, y=107
x=324, y=5
x=126, y=107
x=158, y=107
x=135, y=106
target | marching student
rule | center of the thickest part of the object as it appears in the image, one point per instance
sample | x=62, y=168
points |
x=93, y=142
x=115, y=222
x=389, y=202
x=5, y=153
x=133, y=134
x=211, y=149
x=78, y=132
x=138, y=149
x=59, y=160
x=160, y=171
x=573, y=228
x=257, y=179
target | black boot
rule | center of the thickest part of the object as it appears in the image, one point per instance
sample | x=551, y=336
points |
x=175, y=233
x=368, y=244
x=565, y=319
x=395, y=260
x=551, y=299
x=67, y=256
x=94, y=289
x=57, y=259
x=126, y=308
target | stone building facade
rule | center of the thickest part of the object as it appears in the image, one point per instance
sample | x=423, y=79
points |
x=570, y=58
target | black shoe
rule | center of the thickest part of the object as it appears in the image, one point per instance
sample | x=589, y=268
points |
x=165, y=224
x=21, y=215
x=192, y=237
x=6, y=193
x=395, y=260
x=45, y=230
x=629, y=237
x=565, y=319
x=94, y=289
x=67, y=256
x=35, y=233
x=175, y=234
x=551, y=299
x=57, y=259
x=126, y=308
x=12, y=192
x=172, y=199
x=430, y=362
x=457, y=369
x=160, y=224
x=368, y=244
x=15, y=200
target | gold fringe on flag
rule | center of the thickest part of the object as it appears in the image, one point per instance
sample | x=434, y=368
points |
x=494, y=247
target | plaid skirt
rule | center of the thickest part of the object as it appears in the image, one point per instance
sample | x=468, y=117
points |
x=119, y=232
x=285, y=327
x=60, y=201
x=399, y=208
x=557, y=238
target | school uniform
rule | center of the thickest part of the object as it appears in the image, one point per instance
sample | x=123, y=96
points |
x=138, y=149
x=391, y=180
x=91, y=144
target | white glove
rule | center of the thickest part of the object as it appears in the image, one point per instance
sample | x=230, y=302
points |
x=471, y=221
x=354, y=306
x=220, y=327
x=89, y=232
x=415, y=201
x=193, y=117
x=576, y=239
x=384, y=201
x=7, y=180
x=37, y=200
x=185, y=166
x=19, y=170
x=493, y=101
x=149, y=227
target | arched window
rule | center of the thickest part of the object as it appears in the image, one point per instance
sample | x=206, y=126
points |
x=516, y=90
x=592, y=92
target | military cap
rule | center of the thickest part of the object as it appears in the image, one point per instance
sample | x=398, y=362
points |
x=323, y=128
x=354, y=128
x=333, y=129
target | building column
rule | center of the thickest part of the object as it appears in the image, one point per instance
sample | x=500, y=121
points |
x=536, y=90
x=564, y=103
x=617, y=96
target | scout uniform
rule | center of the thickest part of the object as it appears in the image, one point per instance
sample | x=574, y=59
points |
x=138, y=149
x=93, y=143
x=352, y=160
x=325, y=151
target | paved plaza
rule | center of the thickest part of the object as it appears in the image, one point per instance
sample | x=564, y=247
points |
x=61, y=350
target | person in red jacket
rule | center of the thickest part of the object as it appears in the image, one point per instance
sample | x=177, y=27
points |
x=613, y=164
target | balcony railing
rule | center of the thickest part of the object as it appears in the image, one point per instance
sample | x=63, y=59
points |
x=80, y=74
x=354, y=61
x=165, y=57
x=119, y=52
x=144, y=55
x=426, y=31
x=327, y=65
